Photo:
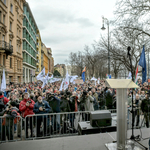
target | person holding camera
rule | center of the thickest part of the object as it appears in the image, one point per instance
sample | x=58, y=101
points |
x=41, y=107
x=11, y=117
x=26, y=108
x=145, y=107
x=54, y=103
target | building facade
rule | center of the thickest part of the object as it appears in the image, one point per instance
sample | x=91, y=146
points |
x=29, y=45
x=51, y=61
x=61, y=68
x=38, y=55
x=45, y=58
x=11, y=15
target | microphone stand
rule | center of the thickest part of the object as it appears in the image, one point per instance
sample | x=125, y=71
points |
x=129, y=55
x=132, y=136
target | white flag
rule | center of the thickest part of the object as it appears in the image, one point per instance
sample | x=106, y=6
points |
x=41, y=75
x=3, y=85
x=61, y=86
x=46, y=78
x=66, y=82
x=73, y=78
x=129, y=76
x=94, y=79
x=98, y=80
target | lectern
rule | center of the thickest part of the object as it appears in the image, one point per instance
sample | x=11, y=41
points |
x=121, y=86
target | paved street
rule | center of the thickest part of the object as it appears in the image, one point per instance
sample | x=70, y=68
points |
x=85, y=142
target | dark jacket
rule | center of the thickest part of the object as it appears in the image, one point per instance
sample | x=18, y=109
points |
x=55, y=104
x=44, y=105
x=64, y=105
x=72, y=101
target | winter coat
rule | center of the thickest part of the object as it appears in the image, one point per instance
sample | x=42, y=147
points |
x=44, y=104
x=26, y=110
x=73, y=103
x=88, y=105
x=5, y=99
x=96, y=96
x=55, y=104
x=64, y=105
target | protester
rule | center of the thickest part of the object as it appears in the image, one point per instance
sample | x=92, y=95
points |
x=41, y=107
x=26, y=108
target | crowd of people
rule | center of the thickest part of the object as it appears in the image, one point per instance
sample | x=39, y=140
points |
x=29, y=99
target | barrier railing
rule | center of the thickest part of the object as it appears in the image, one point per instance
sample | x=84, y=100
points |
x=45, y=125
x=10, y=129
x=55, y=124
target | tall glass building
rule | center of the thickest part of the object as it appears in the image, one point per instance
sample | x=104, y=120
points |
x=29, y=45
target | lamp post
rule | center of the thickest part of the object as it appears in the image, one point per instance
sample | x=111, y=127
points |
x=103, y=28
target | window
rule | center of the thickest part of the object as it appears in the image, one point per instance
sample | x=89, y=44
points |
x=10, y=78
x=17, y=47
x=3, y=39
x=0, y=16
x=3, y=19
x=17, y=64
x=11, y=8
x=10, y=62
x=3, y=60
x=10, y=42
x=10, y=26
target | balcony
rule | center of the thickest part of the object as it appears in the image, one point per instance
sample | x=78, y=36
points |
x=37, y=63
x=37, y=55
x=6, y=48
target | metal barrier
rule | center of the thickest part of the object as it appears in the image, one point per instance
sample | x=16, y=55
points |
x=10, y=129
x=46, y=125
x=54, y=124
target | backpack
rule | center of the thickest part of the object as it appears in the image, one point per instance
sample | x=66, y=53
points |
x=15, y=119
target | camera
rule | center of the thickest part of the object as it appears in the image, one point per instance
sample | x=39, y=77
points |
x=29, y=102
x=43, y=106
x=89, y=88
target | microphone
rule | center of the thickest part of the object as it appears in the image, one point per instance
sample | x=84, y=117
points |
x=128, y=48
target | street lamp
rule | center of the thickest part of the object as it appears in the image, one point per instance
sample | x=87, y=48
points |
x=103, y=28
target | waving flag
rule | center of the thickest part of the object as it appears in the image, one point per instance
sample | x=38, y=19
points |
x=3, y=85
x=61, y=86
x=83, y=74
x=41, y=75
x=98, y=81
x=66, y=82
x=142, y=63
x=73, y=78
x=94, y=79
x=136, y=75
x=129, y=76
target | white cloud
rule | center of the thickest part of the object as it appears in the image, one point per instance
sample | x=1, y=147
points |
x=67, y=25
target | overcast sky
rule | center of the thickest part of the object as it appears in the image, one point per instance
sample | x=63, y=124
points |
x=68, y=25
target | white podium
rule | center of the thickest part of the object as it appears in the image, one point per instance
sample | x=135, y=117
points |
x=121, y=86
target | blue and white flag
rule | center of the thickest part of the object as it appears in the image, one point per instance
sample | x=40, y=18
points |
x=142, y=63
